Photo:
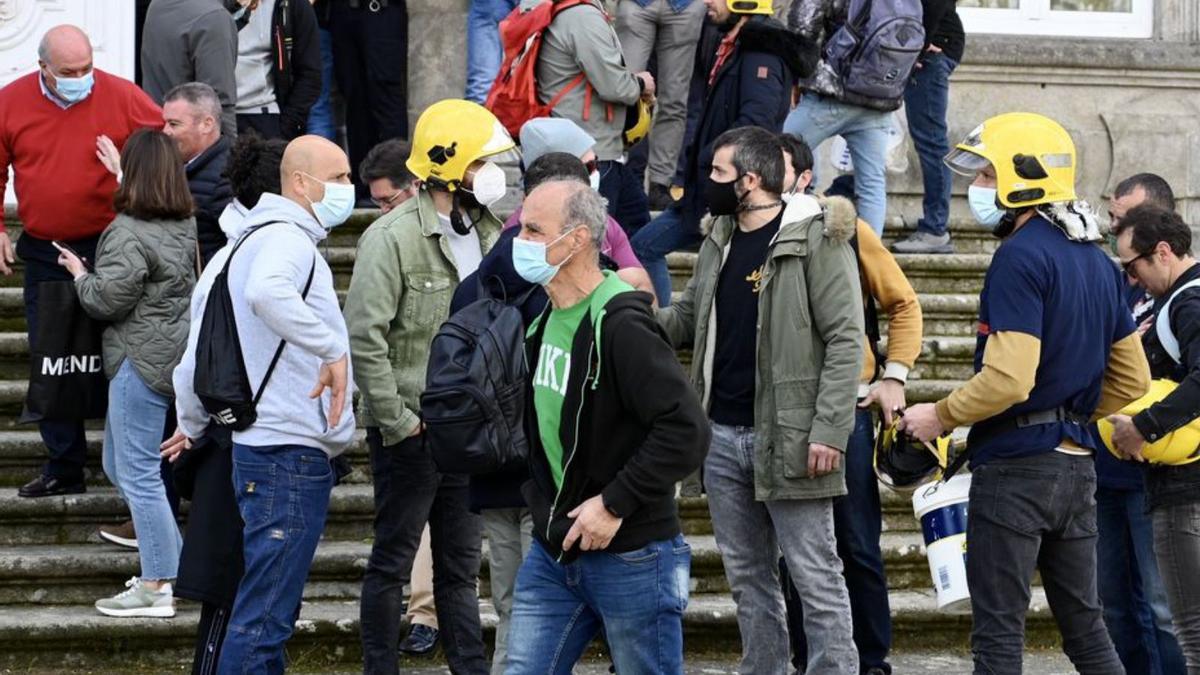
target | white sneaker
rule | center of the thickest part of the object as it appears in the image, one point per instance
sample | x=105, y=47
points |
x=139, y=600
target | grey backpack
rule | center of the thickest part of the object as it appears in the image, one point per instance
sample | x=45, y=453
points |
x=876, y=49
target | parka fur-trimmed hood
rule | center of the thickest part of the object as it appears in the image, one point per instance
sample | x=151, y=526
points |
x=768, y=36
x=841, y=218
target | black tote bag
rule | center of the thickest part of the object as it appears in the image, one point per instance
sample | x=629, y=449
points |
x=66, y=375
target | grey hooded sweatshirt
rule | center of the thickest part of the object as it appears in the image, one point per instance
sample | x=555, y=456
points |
x=266, y=279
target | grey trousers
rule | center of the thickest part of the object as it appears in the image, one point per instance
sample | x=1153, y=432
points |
x=509, y=533
x=672, y=36
x=1177, y=547
x=750, y=535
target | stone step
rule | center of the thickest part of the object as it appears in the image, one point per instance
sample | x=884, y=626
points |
x=967, y=236
x=58, y=574
x=59, y=638
x=960, y=273
x=74, y=519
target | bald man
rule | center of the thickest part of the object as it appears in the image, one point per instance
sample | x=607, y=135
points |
x=52, y=122
x=282, y=295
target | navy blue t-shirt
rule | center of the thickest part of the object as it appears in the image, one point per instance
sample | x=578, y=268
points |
x=1113, y=473
x=1065, y=294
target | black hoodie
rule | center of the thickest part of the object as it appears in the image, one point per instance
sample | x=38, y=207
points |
x=641, y=428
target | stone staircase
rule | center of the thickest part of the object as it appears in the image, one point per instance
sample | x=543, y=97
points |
x=53, y=565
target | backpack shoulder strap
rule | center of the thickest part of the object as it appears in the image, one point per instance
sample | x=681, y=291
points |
x=283, y=343
x=1162, y=323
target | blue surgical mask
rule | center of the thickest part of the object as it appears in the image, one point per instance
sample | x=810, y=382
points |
x=74, y=89
x=337, y=205
x=529, y=260
x=983, y=205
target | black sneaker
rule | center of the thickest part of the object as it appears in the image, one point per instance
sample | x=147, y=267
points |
x=421, y=640
x=659, y=197
x=49, y=486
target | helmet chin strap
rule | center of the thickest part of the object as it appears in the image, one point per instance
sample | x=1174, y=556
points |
x=1007, y=224
x=457, y=223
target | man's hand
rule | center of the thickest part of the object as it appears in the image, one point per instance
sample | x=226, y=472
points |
x=174, y=446
x=333, y=376
x=648, y=89
x=889, y=395
x=7, y=256
x=822, y=459
x=418, y=431
x=107, y=153
x=72, y=263
x=1126, y=437
x=594, y=526
x=922, y=423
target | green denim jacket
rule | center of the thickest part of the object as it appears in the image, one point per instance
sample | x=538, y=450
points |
x=810, y=328
x=404, y=277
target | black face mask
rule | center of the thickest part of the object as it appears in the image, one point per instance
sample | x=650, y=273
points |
x=722, y=198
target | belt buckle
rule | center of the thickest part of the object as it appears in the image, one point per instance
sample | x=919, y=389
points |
x=374, y=6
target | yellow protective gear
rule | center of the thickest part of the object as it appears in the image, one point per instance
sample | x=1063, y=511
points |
x=903, y=464
x=1181, y=446
x=450, y=135
x=638, y=119
x=750, y=6
x=1033, y=156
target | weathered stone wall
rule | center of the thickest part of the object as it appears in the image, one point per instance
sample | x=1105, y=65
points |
x=1131, y=105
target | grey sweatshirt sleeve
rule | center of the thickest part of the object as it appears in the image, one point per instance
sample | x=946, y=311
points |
x=213, y=46
x=598, y=53
x=273, y=289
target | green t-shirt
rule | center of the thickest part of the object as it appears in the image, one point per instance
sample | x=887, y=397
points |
x=554, y=367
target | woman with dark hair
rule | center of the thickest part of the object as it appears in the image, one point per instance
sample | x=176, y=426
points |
x=211, y=565
x=144, y=274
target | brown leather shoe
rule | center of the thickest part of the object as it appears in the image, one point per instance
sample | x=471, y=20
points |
x=121, y=535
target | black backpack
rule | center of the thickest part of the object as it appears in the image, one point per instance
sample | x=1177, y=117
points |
x=474, y=400
x=220, y=379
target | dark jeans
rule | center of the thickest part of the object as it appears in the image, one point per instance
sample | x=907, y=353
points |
x=408, y=493
x=1177, y=546
x=636, y=598
x=370, y=60
x=266, y=125
x=857, y=524
x=925, y=102
x=65, y=440
x=626, y=196
x=320, y=117
x=283, y=495
x=1032, y=513
x=666, y=233
x=1131, y=590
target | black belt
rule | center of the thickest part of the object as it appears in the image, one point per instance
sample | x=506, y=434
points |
x=373, y=5
x=1004, y=426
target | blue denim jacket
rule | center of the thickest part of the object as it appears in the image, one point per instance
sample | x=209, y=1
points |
x=677, y=5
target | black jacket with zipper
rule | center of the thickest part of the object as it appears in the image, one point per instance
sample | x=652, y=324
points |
x=295, y=63
x=640, y=429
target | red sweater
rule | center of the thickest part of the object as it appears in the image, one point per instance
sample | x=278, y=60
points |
x=63, y=191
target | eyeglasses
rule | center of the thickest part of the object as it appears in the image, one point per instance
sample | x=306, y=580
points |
x=389, y=200
x=1127, y=267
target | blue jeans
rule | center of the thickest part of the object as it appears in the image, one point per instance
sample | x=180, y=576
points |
x=320, y=116
x=637, y=598
x=132, y=432
x=283, y=496
x=652, y=243
x=857, y=524
x=818, y=118
x=925, y=102
x=1135, y=603
x=484, y=51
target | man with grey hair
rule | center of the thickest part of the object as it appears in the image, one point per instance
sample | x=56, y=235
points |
x=52, y=122
x=191, y=117
x=612, y=424
x=192, y=41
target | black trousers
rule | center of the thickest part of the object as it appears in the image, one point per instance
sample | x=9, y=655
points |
x=210, y=636
x=408, y=493
x=370, y=62
x=266, y=125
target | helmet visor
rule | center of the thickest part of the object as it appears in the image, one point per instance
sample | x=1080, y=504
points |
x=965, y=162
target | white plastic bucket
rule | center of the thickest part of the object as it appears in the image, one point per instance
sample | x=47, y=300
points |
x=942, y=510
